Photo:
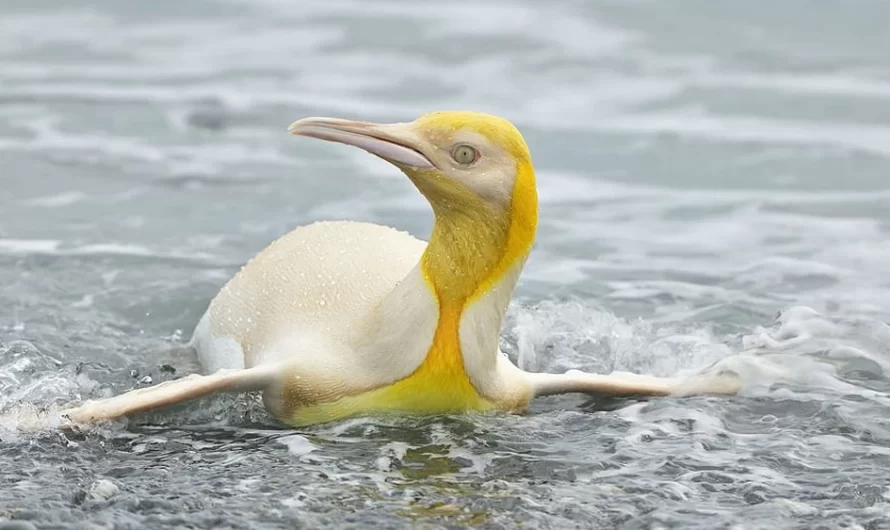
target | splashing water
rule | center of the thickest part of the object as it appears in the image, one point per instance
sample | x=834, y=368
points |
x=701, y=168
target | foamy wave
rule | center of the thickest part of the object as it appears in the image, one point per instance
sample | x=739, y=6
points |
x=561, y=335
x=56, y=247
x=803, y=353
x=837, y=84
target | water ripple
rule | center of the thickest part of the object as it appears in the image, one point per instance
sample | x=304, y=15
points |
x=713, y=196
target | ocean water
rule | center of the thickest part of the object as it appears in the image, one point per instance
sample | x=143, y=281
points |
x=715, y=189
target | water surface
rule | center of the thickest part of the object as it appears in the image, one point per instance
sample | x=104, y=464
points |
x=714, y=188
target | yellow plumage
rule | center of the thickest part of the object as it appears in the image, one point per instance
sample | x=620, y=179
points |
x=470, y=249
x=439, y=385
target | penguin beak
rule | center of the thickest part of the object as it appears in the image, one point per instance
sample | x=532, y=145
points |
x=397, y=143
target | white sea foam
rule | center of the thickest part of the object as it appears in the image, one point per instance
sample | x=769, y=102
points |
x=700, y=168
x=799, y=355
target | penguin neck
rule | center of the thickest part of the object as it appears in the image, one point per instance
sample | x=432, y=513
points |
x=463, y=261
x=471, y=266
x=464, y=255
x=440, y=326
x=476, y=246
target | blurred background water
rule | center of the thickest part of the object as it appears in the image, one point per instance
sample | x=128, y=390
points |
x=715, y=187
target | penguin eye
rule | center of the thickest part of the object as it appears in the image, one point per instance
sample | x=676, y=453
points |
x=464, y=154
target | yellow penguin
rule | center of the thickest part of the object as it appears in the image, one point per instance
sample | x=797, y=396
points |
x=338, y=319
